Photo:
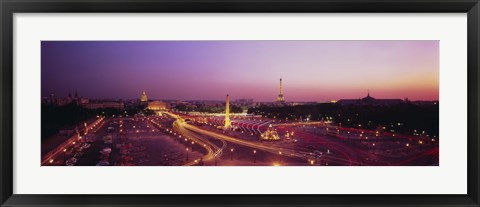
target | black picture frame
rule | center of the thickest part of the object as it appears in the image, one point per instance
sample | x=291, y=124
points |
x=10, y=7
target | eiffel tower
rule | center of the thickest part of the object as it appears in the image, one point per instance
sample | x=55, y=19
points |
x=280, y=95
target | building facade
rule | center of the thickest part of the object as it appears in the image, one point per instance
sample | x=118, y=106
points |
x=368, y=100
x=157, y=106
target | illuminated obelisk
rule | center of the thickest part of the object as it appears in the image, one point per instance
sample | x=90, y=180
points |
x=280, y=95
x=227, y=113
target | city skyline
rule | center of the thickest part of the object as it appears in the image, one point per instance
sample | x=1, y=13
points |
x=208, y=70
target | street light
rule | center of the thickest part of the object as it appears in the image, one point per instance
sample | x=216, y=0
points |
x=187, y=153
x=254, y=156
x=280, y=156
x=231, y=154
x=64, y=155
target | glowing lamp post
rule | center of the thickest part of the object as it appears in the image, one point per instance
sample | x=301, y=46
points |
x=231, y=154
x=280, y=156
x=187, y=153
x=254, y=156
x=64, y=155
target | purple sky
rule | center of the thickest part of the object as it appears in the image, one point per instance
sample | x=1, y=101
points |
x=208, y=70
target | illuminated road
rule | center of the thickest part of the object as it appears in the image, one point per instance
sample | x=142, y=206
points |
x=337, y=153
x=59, y=151
x=177, y=139
x=337, y=146
x=180, y=123
x=212, y=149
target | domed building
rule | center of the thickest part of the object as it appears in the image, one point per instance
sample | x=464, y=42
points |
x=369, y=100
x=143, y=97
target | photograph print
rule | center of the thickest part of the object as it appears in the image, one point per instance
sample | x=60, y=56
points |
x=240, y=103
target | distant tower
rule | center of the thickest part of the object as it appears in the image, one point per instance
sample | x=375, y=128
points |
x=280, y=95
x=143, y=97
x=227, y=112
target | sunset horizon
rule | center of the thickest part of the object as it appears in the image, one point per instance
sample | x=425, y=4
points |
x=312, y=71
